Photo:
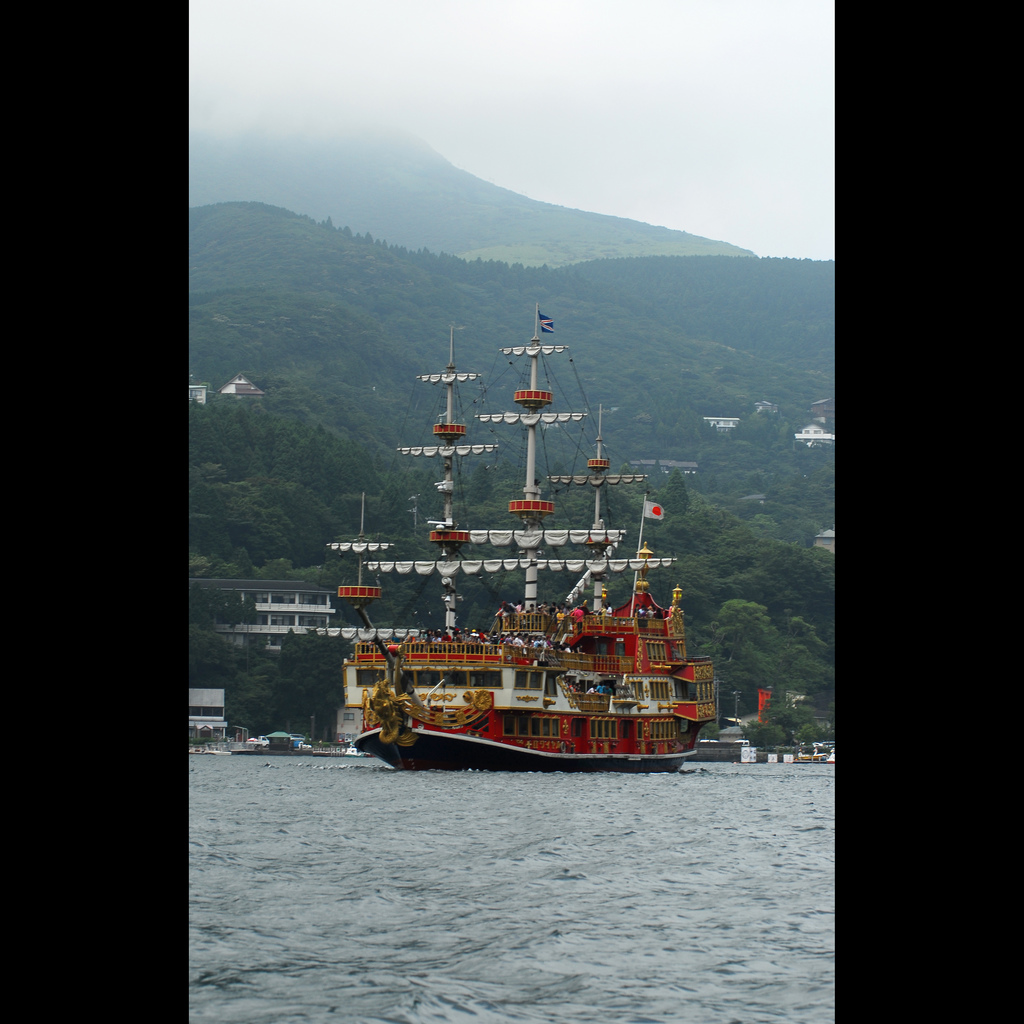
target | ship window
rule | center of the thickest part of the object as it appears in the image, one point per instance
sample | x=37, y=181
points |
x=456, y=679
x=550, y=687
x=659, y=689
x=577, y=727
x=510, y=725
x=620, y=648
x=627, y=730
x=524, y=726
x=428, y=678
x=529, y=680
x=534, y=726
x=663, y=729
x=489, y=679
x=367, y=676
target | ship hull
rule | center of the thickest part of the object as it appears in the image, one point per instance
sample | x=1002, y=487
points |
x=434, y=751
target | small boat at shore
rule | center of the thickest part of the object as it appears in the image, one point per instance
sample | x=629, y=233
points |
x=818, y=757
x=354, y=753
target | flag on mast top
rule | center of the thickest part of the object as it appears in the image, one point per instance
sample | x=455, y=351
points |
x=547, y=325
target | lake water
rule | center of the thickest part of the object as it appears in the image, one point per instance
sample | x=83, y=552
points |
x=321, y=891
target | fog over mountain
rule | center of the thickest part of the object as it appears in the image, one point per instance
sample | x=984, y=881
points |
x=712, y=118
x=396, y=187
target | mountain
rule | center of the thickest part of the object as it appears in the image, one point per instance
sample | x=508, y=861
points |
x=398, y=188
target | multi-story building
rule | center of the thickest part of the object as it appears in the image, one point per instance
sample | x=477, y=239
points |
x=282, y=606
x=206, y=714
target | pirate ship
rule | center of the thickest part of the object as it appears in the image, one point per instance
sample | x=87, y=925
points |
x=597, y=689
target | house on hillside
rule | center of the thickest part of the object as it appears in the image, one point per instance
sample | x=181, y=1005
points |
x=723, y=424
x=667, y=465
x=824, y=409
x=827, y=540
x=813, y=435
x=241, y=387
x=197, y=392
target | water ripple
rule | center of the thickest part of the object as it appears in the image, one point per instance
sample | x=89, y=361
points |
x=380, y=896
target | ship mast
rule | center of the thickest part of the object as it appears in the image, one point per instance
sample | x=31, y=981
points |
x=600, y=466
x=448, y=539
x=531, y=510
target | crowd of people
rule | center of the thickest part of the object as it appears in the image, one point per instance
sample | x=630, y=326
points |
x=480, y=636
x=510, y=611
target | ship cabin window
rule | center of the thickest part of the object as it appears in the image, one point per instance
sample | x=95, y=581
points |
x=367, y=677
x=691, y=691
x=550, y=687
x=490, y=680
x=663, y=729
x=627, y=730
x=577, y=727
x=428, y=678
x=603, y=729
x=620, y=648
x=659, y=689
x=680, y=688
x=529, y=680
x=534, y=726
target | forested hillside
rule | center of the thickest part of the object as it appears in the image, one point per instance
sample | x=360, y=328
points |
x=334, y=327
x=322, y=318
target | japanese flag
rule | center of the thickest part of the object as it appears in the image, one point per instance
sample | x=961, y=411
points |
x=652, y=510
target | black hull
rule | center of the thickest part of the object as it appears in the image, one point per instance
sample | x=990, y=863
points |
x=437, y=752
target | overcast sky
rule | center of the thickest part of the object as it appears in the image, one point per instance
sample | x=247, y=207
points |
x=710, y=116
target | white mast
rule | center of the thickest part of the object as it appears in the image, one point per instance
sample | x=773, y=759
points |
x=531, y=510
x=450, y=435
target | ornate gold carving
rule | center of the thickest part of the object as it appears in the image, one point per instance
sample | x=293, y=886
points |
x=704, y=673
x=479, y=701
x=443, y=696
x=548, y=701
x=526, y=700
x=389, y=710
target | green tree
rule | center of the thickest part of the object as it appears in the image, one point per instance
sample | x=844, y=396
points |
x=310, y=682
